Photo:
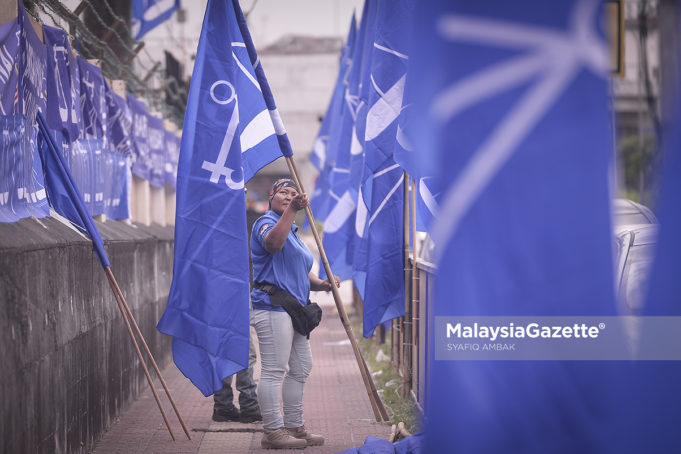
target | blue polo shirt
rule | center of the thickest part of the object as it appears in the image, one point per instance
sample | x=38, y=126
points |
x=288, y=269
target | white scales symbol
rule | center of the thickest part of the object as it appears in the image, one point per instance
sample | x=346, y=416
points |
x=218, y=168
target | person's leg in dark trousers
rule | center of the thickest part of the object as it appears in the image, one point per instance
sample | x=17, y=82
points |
x=248, y=399
x=223, y=407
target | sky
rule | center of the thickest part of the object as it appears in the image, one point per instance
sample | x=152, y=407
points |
x=268, y=21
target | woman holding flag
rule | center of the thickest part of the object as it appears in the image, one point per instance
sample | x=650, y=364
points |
x=281, y=262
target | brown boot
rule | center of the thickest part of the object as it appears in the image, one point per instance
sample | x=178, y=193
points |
x=281, y=439
x=302, y=433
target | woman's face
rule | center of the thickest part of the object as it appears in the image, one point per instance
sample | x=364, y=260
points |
x=282, y=199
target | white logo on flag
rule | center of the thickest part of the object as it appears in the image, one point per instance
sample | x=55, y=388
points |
x=219, y=168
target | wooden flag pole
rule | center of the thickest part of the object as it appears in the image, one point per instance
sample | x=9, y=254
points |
x=414, y=278
x=376, y=403
x=405, y=333
x=109, y=276
x=119, y=293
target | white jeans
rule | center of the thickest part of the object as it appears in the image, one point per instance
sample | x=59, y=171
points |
x=285, y=356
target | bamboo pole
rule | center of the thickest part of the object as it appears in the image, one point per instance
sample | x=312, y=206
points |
x=139, y=353
x=405, y=333
x=376, y=404
x=119, y=293
x=414, y=280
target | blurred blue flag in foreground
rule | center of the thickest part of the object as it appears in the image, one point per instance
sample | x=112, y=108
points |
x=229, y=133
x=514, y=123
x=62, y=192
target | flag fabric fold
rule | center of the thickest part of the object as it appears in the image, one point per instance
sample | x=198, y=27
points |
x=228, y=135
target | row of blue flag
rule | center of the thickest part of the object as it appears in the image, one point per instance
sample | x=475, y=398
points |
x=362, y=152
x=100, y=134
x=499, y=111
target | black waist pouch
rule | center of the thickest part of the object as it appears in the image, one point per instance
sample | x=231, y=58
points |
x=304, y=318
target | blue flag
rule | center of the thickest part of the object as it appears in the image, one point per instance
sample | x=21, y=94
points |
x=62, y=192
x=339, y=225
x=378, y=249
x=63, y=85
x=147, y=14
x=327, y=143
x=319, y=156
x=514, y=123
x=228, y=135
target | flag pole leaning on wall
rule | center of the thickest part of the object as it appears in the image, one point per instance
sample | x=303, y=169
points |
x=376, y=404
x=79, y=215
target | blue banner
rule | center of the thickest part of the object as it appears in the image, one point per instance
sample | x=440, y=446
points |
x=93, y=102
x=147, y=14
x=90, y=171
x=9, y=56
x=116, y=186
x=513, y=121
x=227, y=126
x=119, y=123
x=31, y=67
x=63, y=85
x=22, y=190
x=157, y=151
x=172, y=144
x=141, y=165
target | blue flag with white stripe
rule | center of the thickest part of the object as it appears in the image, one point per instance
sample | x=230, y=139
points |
x=147, y=14
x=229, y=133
x=514, y=123
x=327, y=143
x=378, y=247
x=339, y=225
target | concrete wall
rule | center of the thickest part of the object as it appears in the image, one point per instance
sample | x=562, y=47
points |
x=68, y=366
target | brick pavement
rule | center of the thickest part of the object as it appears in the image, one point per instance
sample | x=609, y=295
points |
x=336, y=405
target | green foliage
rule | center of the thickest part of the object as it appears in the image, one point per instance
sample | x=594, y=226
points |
x=636, y=162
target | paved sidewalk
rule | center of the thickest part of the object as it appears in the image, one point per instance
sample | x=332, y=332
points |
x=336, y=405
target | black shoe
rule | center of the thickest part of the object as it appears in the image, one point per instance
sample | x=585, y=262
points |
x=221, y=415
x=250, y=416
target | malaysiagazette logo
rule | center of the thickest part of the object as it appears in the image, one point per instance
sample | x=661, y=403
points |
x=531, y=330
